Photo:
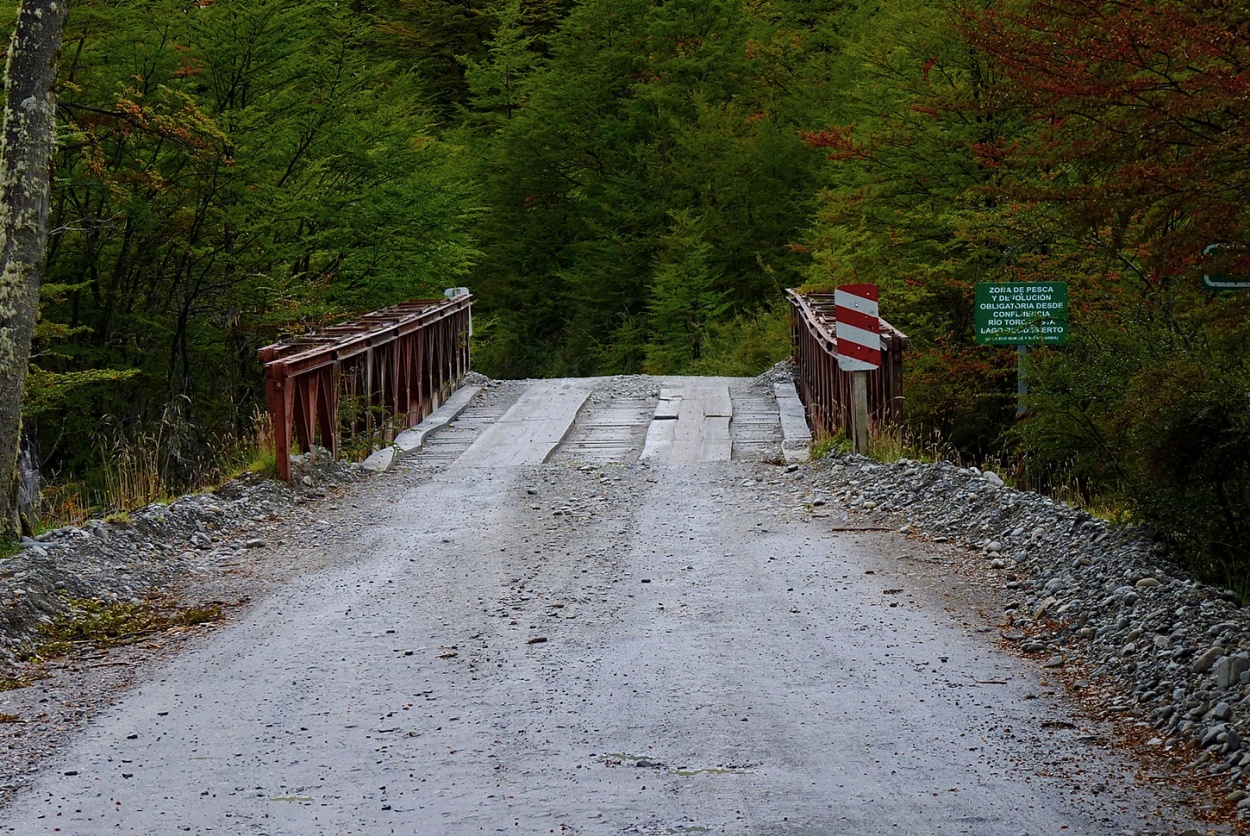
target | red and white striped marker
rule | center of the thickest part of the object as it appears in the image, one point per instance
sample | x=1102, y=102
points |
x=857, y=317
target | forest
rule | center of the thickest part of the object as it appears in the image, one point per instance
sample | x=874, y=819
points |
x=628, y=186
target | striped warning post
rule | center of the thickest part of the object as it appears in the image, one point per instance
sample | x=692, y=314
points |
x=858, y=327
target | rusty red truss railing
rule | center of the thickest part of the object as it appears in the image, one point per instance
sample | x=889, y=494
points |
x=367, y=379
x=824, y=388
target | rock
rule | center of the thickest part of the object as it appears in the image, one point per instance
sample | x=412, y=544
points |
x=1228, y=670
x=1222, y=712
x=993, y=478
x=1108, y=596
x=254, y=543
x=1055, y=661
x=1204, y=662
x=1044, y=606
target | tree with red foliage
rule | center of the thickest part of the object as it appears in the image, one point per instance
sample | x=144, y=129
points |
x=1136, y=160
x=1141, y=117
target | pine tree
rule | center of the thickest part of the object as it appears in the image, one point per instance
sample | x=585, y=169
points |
x=683, y=303
x=496, y=83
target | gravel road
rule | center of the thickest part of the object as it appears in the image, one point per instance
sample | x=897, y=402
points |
x=627, y=647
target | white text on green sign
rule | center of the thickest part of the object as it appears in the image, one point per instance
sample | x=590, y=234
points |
x=1022, y=313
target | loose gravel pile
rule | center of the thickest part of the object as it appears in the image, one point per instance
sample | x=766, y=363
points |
x=145, y=553
x=1155, y=641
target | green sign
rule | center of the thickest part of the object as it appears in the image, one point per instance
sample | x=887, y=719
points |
x=1022, y=313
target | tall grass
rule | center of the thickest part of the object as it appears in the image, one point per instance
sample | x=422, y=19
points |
x=134, y=471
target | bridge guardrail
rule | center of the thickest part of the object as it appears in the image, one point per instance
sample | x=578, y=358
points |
x=825, y=389
x=371, y=377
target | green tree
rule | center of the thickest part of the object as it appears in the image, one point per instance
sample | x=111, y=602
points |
x=683, y=304
x=496, y=82
x=907, y=206
x=641, y=113
x=231, y=172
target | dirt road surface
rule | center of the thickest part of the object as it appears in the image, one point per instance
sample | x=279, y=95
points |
x=538, y=631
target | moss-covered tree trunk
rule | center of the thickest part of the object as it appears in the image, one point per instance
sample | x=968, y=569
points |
x=26, y=150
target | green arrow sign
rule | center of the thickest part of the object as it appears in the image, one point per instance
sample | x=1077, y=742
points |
x=1022, y=313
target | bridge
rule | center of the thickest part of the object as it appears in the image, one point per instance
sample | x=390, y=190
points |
x=603, y=606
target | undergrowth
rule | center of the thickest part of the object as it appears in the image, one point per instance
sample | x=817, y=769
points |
x=94, y=624
x=137, y=471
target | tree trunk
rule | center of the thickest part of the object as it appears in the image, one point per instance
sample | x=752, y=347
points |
x=26, y=154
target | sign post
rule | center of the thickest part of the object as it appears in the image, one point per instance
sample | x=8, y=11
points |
x=858, y=326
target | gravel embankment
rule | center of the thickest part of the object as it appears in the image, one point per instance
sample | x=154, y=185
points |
x=148, y=552
x=1155, y=642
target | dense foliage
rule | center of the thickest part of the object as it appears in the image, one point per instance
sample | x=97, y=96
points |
x=627, y=185
x=1101, y=144
x=229, y=172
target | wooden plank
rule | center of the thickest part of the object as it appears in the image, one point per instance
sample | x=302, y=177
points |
x=716, y=402
x=668, y=409
x=795, y=433
x=411, y=439
x=715, y=444
x=659, y=441
x=530, y=431
x=702, y=432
